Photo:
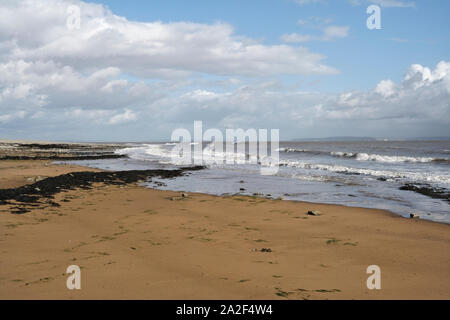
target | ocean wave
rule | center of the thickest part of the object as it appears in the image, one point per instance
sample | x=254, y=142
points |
x=410, y=176
x=293, y=150
x=343, y=154
x=211, y=154
x=144, y=152
x=386, y=158
x=391, y=159
x=360, y=156
x=290, y=150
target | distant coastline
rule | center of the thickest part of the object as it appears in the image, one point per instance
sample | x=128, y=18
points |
x=337, y=139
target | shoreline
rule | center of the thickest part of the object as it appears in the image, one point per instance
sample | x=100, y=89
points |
x=82, y=168
x=66, y=151
x=133, y=242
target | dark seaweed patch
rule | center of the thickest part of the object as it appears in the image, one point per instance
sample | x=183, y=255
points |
x=65, y=157
x=47, y=188
x=428, y=190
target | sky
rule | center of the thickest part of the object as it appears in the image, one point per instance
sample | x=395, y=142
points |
x=137, y=70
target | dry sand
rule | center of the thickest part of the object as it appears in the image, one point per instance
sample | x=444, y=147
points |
x=137, y=243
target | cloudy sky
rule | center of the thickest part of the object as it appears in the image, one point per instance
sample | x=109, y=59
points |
x=136, y=70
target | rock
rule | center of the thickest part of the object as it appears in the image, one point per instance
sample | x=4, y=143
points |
x=184, y=195
x=414, y=216
x=37, y=189
x=242, y=181
x=280, y=198
x=35, y=179
x=314, y=213
x=242, y=189
x=262, y=250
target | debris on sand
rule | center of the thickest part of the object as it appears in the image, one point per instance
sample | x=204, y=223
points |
x=263, y=250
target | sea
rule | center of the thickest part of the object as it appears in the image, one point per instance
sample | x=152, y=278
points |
x=370, y=174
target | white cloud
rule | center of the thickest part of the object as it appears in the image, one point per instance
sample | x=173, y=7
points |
x=303, y=2
x=332, y=32
x=386, y=88
x=385, y=3
x=295, y=38
x=57, y=83
x=418, y=105
x=394, y=3
x=36, y=30
x=418, y=76
x=329, y=33
x=127, y=116
x=12, y=116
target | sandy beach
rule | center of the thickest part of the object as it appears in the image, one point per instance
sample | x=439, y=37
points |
x=133, y=242
x=185, y=151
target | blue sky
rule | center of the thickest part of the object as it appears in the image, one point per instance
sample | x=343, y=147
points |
x=137, y=70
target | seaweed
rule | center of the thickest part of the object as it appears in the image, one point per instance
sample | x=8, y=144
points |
x=47, y=188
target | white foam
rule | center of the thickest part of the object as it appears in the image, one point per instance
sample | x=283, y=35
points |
x=210, y=155
x=384, y=158
x=391, y=159
x=144, y=152
x=413, y=176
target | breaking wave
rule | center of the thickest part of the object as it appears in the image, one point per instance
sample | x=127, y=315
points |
x=389, y=159
x=211, y=154
x=368, y=157
x=411, y=176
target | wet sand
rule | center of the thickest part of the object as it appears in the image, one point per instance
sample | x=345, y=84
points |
x=138, y=243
